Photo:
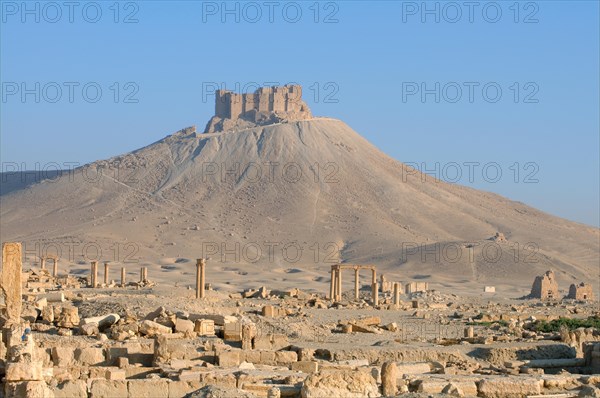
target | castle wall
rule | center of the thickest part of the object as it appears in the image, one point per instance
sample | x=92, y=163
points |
x=294, y=99
x=264, y=99
x=235, y=106
x=222, y=107
x=230, y=105
x=279, y=99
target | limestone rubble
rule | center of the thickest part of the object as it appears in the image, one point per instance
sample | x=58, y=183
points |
x=71, y=339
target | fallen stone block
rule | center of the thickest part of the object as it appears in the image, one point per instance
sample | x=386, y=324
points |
x=370, y=321
x=148, y=388
x=90, y=356
x=115, y=374
x=63, y=356
x=54, y=297
x=205, y=327
x=365, y=329
x=103, y=322
x=189, y=375
x=108, y=388
x=305, y=366
x=69, y=317
x=151, y=328
x=267, y=357
x=339, y=383
x=513, y=387
x=27, y=389
x=122, y=362
x=24, y=371
x=179, y=389
x=414, y=368
x=230, y=359
x=232, y=331
x=219, y=320
x=285, y=357
x=90, y=329
x=433, y=386
x=70, y=389
x=184, y=325
x=262, y=343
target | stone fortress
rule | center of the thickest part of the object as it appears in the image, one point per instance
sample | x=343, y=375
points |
x=267, y=105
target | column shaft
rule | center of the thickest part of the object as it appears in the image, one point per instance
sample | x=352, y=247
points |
x=375, y=294
x=396, y=294
x=106, y=273
x=94, y=275
x=202, y=277
x=339, y=280
x=356, y=283
x=332, y=284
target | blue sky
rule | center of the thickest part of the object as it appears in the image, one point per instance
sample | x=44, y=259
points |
x=366, y=63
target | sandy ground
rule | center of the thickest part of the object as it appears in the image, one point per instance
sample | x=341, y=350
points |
x=277, y=205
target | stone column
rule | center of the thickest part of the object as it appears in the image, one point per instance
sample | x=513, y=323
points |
x=396, y=294
x=332, y=284
x=94, y=274
x=375, y=294
x=356, y=283
x=43, y=262
x=12, y=267
x=374, y=275
x=55, y=267
x=200, y=277
x=123, y=276
x=106, y=267
x=143, y=274
x=339, y=283
x=382, y=282
x=389, y=374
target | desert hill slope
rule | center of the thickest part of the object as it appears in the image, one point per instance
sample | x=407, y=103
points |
x=250, y=199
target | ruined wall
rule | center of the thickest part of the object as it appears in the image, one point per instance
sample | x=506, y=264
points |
x=286, y=99
x=545, y=286
x=415, y=287
x=582, y=291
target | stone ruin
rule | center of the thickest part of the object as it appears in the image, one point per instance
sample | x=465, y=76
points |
x=267, y=105
x=545, y=286
x=583, y=291
x=253, y=348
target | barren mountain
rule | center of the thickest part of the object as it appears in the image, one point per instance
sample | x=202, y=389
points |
x=277, y=204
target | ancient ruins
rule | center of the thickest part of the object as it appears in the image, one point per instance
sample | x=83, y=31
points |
x=582, y=291
x=545, y=286
x=81, y=336
x=267, y=105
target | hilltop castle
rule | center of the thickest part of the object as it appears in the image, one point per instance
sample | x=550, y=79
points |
x=267, y=105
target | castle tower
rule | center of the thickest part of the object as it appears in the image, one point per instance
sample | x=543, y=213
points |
x=294, y=98
x=222, y=101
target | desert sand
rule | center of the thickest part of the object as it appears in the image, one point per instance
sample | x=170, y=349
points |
x=279, y=204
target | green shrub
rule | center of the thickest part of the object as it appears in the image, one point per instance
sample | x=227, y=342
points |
x=567, y=323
